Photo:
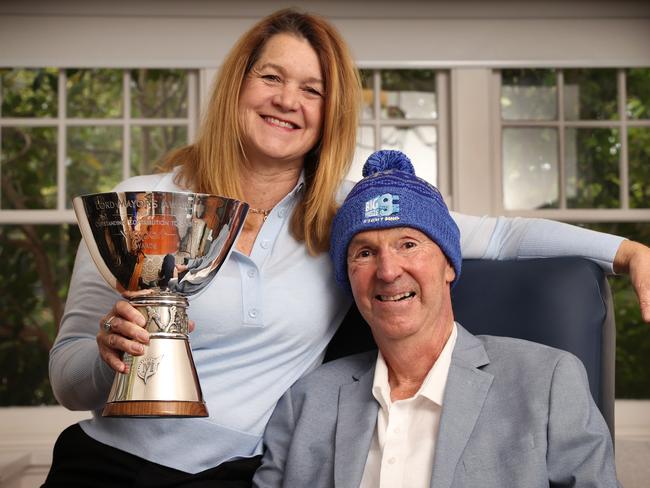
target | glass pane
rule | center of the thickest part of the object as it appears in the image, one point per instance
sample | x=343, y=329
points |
x=528, y=94
x=94, y=161
x=94, y=93
x=408, y=94
x=638, y=93
x=367, y=103
x=591, y=158
x=632, y=334
x=158, y=93
x=590, y=94
x=639, y=167
x=419, y=143
x=29, y=92
x=365, y=147
x=28, y=168
x=150, y=144
x=530, y=168
x=36, y=266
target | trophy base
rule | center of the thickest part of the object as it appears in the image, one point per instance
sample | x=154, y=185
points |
x=155, y=408
x=161, y=382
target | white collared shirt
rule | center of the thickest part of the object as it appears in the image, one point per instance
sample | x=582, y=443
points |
x=403, y=445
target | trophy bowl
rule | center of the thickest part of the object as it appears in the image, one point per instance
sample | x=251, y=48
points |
x=157, y=248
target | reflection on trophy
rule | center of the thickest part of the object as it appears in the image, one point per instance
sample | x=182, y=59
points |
x=161, y=247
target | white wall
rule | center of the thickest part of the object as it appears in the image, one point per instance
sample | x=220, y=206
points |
x=198, y=33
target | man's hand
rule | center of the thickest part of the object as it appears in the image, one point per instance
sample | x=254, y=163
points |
x=634, y=258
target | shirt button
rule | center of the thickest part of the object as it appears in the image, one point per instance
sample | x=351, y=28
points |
x=265, y=244
x=392, y=460
x=282, y=212
x=251, y=273
x=396, y=430
x=252, y=313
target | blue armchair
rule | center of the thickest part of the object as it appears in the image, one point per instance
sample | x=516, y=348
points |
x=562, y=302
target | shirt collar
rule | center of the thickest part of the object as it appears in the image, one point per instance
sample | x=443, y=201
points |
x=433, y=386
x=299, y=189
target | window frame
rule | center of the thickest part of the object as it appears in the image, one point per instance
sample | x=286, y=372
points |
x=63, y=215
x=441, y=123
x=622, y=214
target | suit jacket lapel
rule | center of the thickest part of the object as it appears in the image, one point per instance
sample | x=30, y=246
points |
x=465, y=393
x=357, y=418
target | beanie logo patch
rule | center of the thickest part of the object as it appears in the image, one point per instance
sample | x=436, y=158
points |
x=382, y=207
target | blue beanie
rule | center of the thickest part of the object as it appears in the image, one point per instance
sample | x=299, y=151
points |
x=390, y=195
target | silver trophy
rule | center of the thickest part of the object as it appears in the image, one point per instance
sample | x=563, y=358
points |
x=159, y=247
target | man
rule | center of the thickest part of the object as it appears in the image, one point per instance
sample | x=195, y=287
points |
x=436, y=406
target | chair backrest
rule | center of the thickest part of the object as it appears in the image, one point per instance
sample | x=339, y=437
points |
x=561, y=302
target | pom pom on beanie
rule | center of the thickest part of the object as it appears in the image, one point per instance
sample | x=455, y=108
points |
x=387, y=160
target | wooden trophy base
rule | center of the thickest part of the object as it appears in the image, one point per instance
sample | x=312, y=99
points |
x=158, y=408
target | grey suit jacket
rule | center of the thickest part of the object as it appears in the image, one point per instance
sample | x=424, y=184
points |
x=514, y=414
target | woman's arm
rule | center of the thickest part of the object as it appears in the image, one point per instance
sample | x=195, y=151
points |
x=80, y=379
x=524, y=238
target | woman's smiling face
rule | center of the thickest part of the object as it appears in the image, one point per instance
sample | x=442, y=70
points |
x=282, y=102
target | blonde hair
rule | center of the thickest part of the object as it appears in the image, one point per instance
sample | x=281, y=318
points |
x=213, y=163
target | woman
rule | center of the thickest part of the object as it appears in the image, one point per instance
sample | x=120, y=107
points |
x=280, y=134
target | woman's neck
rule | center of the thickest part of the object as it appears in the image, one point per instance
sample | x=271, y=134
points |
x=264, y=188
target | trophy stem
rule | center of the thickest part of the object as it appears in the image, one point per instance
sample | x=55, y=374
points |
x=156, y=384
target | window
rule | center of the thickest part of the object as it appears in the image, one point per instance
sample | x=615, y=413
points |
x=404, y=109
x=65, y=133
x=575, y=146
x=576, y=140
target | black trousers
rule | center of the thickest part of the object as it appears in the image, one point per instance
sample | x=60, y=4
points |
x=80, y=461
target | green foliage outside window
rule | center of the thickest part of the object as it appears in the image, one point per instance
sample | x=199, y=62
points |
x=37, y=260
x=29, y=92
x=593, y=155
x=639, y=161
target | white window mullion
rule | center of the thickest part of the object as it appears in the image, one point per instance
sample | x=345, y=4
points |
x=103, y=122
x=61, y=149
x=126, y=127
x=1, y=141
x=376, y=86
x=623, y=153
x=496, y=138
x=34, y=122
x=33, y=216
x=192, y=106
x=442, y=129
x=561, y=137
x=206, y=78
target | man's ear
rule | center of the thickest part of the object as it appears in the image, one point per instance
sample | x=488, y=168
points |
x=450, y=273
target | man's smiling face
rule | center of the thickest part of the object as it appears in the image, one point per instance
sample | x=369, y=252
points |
x=401, y=283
